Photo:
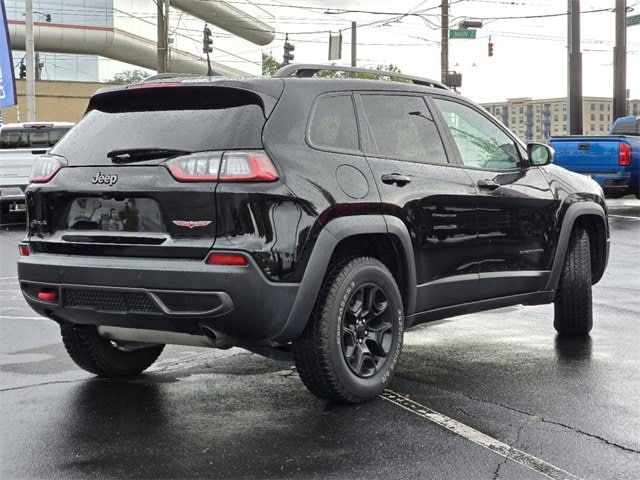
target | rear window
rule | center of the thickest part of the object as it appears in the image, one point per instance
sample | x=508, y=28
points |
x=30, y=137
x=165, y=118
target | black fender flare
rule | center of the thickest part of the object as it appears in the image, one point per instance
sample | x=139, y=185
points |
x=571, y=215
x=329, y=237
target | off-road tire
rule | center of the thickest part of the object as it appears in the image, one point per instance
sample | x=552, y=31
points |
x=573, y=314
x=99, y=356
x=318, y=352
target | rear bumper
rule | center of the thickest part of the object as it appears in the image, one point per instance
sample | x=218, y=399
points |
x=179, y=296
x=12, y=193
x=618, y=182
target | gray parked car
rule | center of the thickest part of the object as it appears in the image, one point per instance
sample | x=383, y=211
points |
x=20, y=145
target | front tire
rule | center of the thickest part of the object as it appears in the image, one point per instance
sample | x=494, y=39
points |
x=351, y=345
x=573, y=313
x=99, y=356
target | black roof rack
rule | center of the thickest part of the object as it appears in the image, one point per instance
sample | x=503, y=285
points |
x=306, y=70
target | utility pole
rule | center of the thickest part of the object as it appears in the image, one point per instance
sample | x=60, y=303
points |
x=574, y=77
x=444, y=45
x=620, y=62
x=30, y=62
x=353, y=44
x=163, y=34
x=38, y=67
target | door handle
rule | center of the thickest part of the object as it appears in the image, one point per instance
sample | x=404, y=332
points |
x=488, y=184
x=395, y=179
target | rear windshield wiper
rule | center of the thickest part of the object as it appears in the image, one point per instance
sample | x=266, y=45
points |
x=127, y=155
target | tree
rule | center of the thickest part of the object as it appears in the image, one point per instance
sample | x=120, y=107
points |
x=269, y=64
x=129, y=76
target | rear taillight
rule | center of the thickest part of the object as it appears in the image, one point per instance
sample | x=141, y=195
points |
x=196, y=167
x=232, y=166
x=23, y=249
x=45, y=167
x=624, y=154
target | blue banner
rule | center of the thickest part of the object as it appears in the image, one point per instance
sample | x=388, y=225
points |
x=7, y=78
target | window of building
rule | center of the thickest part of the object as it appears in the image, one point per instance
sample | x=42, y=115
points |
x=602, y=107
x=593, y=107
x=403, y=129
x=333, y=124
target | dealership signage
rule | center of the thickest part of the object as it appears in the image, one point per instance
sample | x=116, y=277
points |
x=7, y=80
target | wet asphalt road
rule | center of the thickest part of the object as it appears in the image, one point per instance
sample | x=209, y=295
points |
x=229, y=414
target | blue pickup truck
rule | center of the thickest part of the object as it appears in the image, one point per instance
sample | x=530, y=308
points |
x=613, y=160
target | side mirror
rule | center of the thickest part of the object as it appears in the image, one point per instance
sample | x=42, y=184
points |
x=540, y=154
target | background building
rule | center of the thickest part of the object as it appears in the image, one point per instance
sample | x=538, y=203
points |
x=537, y=120
x=137, y=17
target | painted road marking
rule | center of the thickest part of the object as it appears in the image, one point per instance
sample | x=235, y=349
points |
x=11, y=317
x=625, y=216
x=496, y=446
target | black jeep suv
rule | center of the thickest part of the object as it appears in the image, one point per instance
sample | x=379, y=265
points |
x=317, y=217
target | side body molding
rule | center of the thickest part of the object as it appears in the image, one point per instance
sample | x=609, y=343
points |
x=571, y=215
x=329, y=237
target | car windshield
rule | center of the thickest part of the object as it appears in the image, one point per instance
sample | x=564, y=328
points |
x=30, y=137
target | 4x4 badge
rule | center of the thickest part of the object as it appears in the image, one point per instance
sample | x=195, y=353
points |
x=102, y=179
x=192, y=223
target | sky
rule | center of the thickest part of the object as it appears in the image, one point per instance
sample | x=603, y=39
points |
x=530, y=54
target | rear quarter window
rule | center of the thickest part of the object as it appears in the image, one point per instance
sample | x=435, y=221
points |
x=333, y=124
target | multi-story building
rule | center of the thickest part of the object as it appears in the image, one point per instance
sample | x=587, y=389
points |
x=537, y=120
x=133, y=18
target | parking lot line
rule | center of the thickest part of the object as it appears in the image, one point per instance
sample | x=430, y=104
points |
x=624, y=216
x=496, y=446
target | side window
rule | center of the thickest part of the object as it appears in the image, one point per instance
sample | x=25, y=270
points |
x=402, y=128
x=481, y=143
x=333, y=124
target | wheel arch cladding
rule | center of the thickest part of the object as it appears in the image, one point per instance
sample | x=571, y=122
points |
x=593, y=219
x=380, y=236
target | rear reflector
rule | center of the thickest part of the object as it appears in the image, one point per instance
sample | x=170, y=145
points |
x=624, y=154
x=48, y=295
x=229, y=259
x=232, y=166
x=24, y=250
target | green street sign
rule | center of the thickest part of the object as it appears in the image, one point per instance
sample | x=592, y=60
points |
x=633, y=20
x=462, y=33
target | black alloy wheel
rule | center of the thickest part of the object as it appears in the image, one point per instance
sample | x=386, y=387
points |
x=367, y=330
x=350, y=347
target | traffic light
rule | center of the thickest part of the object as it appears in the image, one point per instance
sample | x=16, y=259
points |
x=207, y=41
x=23, y=70
x=490, y=47
x=288, y=48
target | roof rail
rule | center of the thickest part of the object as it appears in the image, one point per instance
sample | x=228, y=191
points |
x=174, y=75
x=306, y=70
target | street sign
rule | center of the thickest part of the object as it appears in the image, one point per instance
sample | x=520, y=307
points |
x=633, y=20
x=462, y=33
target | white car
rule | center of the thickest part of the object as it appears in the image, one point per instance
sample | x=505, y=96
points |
x=20, y=145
